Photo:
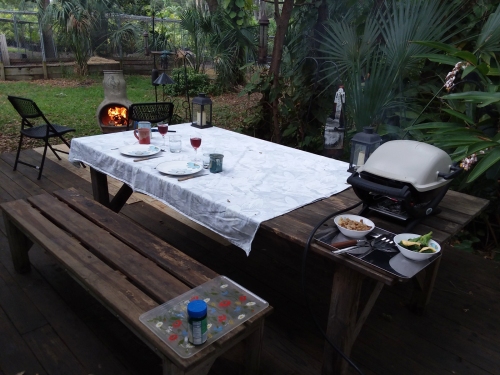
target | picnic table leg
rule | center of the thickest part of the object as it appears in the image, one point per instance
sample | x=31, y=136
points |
x=101, y=193
x=423, y=286
x=253, y=348
x=344, y=319
x=99, y=186
x=19, y=245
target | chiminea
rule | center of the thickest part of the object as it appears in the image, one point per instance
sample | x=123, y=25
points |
x=112, y=113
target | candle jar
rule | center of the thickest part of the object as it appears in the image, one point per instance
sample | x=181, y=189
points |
x=216, y=163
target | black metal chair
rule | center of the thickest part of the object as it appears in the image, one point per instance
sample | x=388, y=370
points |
x=31, y=115
x=153, y=112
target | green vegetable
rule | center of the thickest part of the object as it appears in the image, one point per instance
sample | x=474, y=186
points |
x=418, y=244
x=424, y=240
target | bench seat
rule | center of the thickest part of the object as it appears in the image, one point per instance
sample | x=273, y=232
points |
x=124, y=266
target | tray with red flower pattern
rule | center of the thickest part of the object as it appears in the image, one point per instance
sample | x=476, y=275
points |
x=228, y=303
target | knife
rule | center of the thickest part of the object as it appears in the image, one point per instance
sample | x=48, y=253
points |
x=194, y=176
x=149, y=157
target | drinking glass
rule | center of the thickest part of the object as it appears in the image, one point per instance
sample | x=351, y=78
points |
x=195, y=143
x=163, y=129
x=175, y=143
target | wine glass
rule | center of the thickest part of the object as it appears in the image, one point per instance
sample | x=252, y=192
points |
x=163, y=129
x=195, y=143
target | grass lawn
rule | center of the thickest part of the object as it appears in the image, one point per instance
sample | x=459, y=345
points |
x=74, y=102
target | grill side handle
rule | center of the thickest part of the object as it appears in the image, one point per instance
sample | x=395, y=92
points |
x=455, y=171
x=370, y=186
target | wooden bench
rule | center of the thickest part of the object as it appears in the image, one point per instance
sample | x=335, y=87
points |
x=127, y=268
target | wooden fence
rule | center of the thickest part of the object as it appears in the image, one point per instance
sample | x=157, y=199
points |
x=27, y=70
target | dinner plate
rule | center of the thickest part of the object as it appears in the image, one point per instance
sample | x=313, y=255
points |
x=179, y=167
x=140, y=150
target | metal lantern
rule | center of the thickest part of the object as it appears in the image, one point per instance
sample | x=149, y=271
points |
x=202, y=111
x=263, y=26
x=362, y=146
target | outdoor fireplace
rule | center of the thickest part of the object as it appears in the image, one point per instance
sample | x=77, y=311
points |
x=112, y=113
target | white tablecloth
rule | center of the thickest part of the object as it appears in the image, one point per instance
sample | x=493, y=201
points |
x=260, y=180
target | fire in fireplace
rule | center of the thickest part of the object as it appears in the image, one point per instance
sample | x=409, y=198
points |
x=112, y=113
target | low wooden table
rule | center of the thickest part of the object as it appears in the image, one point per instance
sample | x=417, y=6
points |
x=347, y=313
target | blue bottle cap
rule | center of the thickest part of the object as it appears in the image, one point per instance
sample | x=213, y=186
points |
x=197, y=309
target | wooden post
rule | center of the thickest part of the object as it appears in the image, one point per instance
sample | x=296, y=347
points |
x=45, y=71
x=99, y=187
x=423, y=284
x=342, y=318
x=2, y=72
x=19, y=245
x=4, y=52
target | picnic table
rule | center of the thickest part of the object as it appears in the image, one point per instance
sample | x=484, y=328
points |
x=287, y=229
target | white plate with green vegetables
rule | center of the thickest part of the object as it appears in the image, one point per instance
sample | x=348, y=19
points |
x=417, y=247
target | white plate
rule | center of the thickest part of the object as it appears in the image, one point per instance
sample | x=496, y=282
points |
x=179, y=167
x=140, y=150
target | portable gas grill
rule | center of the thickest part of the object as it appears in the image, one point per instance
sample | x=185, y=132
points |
x=405, y=180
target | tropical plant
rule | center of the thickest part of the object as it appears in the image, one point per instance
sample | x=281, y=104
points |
x=196, y=83
x=229, y=43
x=76, y=21
x=379, y=66
x=192, y=20
x=469, y=123
x=218, y=35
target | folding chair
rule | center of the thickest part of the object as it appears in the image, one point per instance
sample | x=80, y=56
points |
x=153, y=112
x=30, y=112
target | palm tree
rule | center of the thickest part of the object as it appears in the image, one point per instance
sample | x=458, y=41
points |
x=380, y=67
x=219, y=36
x=76, y=20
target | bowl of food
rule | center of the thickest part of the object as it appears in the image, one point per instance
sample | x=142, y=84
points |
x=417, y=247
x=354, y=226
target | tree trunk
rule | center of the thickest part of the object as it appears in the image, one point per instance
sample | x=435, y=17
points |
x=212, y=6
x=282, y=21
x=47, y=39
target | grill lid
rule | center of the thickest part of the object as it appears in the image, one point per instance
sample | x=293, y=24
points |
x=410, y=162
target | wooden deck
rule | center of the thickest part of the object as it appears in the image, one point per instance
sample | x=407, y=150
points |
x=50, y=325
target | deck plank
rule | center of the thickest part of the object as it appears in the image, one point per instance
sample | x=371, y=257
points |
x=16, y=356
x=53, y=354
x=459, y=333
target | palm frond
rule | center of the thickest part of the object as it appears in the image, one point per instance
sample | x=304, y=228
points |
x=489, y=38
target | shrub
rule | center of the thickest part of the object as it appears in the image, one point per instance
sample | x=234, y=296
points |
x=196, y=83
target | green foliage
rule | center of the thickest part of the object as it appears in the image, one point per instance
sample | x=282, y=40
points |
x=196, y=83
x=194, y=20
x=218, y=36
x=83, y=26
x=471, y=115
x=378, y=65
x=74, y=20
x=239, y=11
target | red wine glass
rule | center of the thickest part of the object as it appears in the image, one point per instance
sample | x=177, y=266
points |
x=163, y=129
x=195, y=143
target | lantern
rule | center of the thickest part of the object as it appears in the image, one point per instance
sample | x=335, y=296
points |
x=163, y=79
x=362, y=146
x=202, y=111
x=263, y=26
